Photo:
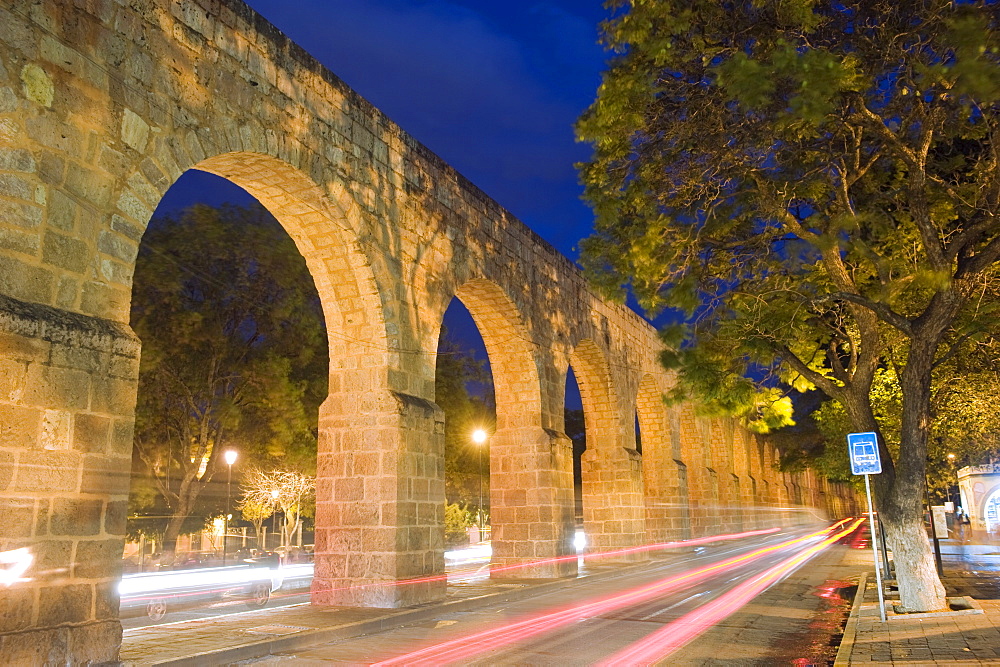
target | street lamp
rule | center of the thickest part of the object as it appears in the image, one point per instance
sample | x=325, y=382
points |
x=479, y=437
x=274, y=522
x=230, y=456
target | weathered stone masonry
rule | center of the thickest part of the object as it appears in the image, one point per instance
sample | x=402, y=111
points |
x=103, y=105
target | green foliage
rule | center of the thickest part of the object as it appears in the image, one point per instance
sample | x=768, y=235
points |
x=816, y=185
x=796, y=184
x=234, y=351
x=457, y=520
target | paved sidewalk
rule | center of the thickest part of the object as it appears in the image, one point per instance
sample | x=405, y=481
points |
x=969, y=636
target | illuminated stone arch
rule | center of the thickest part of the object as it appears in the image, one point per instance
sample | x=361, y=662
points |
x=359, y=439
x=531, y=474
x=511, y=352
x=664, y=473
x=613, y=507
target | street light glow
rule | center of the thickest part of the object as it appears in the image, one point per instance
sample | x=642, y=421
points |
x=479, y=436
x=230, y=456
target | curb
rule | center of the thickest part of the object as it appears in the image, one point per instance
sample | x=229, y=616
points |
x=851, y=629
x=311, y=637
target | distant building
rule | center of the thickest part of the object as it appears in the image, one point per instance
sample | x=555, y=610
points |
x=980, y=489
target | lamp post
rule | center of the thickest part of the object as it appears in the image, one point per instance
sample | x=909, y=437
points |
x=230, y=457
x=274, y=523
x=479, y=437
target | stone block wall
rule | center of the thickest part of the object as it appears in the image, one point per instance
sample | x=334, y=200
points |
x=67, y=390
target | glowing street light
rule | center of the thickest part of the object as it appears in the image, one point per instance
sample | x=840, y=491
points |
x=479, y=437
x=230, y=456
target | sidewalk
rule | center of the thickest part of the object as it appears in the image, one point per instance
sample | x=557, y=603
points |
x=963, y=636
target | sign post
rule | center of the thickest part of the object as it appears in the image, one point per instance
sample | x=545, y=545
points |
x=863, y=450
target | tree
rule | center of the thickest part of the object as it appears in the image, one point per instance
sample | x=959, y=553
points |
x=465, y=464
x=965, y=428
x=816, y=186
x=266, y=491
x=256, y=511
x=233, y=350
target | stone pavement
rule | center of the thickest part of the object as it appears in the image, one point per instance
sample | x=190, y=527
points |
x=962, y=636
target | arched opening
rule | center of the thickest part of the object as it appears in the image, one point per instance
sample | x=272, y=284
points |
x=464, y=391
x=354, y=438
x=235, y=367
x=575, y=428
x=611, y=469
x=530, y=501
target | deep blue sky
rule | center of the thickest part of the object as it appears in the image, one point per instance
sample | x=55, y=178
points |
x=493, y=87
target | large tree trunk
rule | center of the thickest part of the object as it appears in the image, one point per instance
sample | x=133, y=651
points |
x=186, y=496
x=920, y=587
x=899, y=493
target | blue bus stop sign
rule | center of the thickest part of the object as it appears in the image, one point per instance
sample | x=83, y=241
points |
x=863, y=450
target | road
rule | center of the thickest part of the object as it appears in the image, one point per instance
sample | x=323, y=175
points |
x=177, y=599
x=666, y=612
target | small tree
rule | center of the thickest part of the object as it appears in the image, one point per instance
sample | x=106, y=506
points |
x=457, y=520
x=255, y=511
x=274, y=489
x=232, y=350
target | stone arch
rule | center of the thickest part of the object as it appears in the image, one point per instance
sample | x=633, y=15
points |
x=340, y=268
x=511, y=352
x=357, y=439
x=613, y=508
x=531, y=475
x=664, y=477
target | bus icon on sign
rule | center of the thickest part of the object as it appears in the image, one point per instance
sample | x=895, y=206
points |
x=863, y=449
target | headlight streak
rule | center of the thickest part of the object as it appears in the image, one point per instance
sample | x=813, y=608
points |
x=462, y=576
x=464, y=648
x=671, y=637
x=145, y=587
x=17, y=561
x=138, y=589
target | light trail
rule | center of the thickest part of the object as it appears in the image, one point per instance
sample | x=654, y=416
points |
x=18, y=562
x=477, y=573
x=671, y=637
x=192, y=585
x=464, y=648
x=697, y=541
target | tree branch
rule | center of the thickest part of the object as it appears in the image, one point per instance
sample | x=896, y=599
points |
x=885, y=313
x=825, y=384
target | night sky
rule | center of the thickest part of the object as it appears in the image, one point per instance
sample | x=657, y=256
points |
x=492, y=87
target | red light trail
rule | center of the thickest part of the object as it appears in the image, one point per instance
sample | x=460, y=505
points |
x=468, y=646
x=476, y=573
x=673, y=636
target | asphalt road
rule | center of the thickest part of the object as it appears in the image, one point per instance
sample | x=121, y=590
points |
x=689, y=610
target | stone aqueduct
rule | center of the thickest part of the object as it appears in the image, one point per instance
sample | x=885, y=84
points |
x=103, y=105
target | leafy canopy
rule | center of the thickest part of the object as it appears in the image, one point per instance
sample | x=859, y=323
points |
x=802, y=179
